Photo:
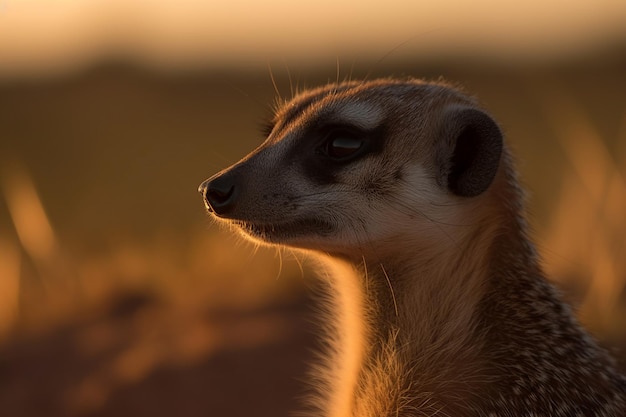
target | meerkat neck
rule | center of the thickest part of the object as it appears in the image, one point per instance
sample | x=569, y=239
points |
x=412, y=322
x=407, y=326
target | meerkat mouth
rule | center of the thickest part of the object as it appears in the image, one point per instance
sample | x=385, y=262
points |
x=281, y=232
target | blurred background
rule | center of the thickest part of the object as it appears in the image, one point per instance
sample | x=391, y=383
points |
x=119, y=297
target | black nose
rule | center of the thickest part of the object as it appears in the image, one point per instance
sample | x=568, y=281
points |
x=219, y=194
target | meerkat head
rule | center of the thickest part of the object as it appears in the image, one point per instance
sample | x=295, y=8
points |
x=351, y=167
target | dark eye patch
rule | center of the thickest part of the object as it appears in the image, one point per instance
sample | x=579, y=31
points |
x=324, y=150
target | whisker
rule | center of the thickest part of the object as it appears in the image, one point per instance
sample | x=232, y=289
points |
x=280, y=262
x=276, y=90
x=392, y=50
x=291, y=90
x=298, y=262
x=393, y=295
x=367, y=280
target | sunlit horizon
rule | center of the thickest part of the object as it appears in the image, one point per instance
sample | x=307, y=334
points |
x=46, y=36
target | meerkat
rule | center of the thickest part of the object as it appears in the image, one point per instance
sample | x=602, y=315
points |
x=407, y=194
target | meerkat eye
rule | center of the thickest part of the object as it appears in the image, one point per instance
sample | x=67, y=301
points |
x=342, y=145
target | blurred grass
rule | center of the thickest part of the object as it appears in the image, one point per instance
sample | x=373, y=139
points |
x=105, y=250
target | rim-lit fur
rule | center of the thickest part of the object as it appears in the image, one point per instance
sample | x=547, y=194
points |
x=438, y=305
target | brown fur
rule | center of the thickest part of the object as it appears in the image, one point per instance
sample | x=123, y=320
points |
x=439, y=305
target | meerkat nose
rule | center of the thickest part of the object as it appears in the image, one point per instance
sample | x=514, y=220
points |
x=219, y=194
x=202, y=189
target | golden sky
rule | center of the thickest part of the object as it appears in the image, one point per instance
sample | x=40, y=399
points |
x=55, y=35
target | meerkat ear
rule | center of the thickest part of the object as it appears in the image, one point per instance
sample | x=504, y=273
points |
x=472, y=144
